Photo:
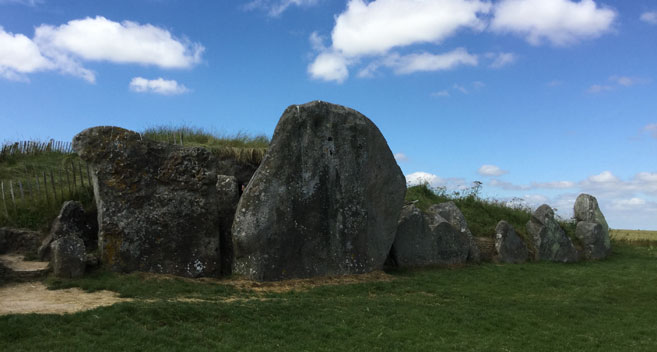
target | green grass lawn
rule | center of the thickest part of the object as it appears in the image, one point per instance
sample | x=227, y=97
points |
x=593, y=306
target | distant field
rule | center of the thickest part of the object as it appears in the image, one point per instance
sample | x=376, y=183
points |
x=634, y=235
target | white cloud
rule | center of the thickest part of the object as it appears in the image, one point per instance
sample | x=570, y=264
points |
x=460, y=88
x=435, y=181
x=430, y=62
x=100, y=39
x=329, y=66
x=649, y=17
x=561, y=22
x=276, y=8
x=20, y=55
x=380, y=25
x=158, y=86
x=627, y=81
x=441, y=93
x=400, y=157
x=652, y=129
x=64, y=48
x=598, y=88
x=501, y=59
x=491, y=170
x=478, y=84
x=554, y=83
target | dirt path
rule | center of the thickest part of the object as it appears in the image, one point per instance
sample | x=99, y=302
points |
x=34, y=297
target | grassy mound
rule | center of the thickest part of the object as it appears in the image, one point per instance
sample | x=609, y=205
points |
x=482, y=215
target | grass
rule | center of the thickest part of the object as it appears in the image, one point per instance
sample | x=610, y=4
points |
x=33, y=210
x=482, y=215
x=243, y=147
x=637, y=237
x=591, y=306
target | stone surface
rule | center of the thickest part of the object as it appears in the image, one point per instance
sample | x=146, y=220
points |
x=550, y=240
x=324, y=201
x=510, y=248
x=68, y=257
x=71, y=221
x=424, y=239
x=450, y=212
x=594, y=239
x=158, y=205
x=19, y=241
x=586, y=209
x=228, y=189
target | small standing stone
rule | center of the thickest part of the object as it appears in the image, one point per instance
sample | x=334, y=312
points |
x=509, y=246
x=550, y=240
x=68, y=257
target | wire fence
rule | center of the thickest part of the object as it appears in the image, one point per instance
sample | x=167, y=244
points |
x=35, y=147
x=49, y=188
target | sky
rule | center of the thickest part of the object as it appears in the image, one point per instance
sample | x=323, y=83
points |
x=539, y=100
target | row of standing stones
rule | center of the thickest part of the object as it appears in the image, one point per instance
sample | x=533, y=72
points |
x=327, y=199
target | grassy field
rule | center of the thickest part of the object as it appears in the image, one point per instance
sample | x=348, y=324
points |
x=634, y=236
x=594, y=306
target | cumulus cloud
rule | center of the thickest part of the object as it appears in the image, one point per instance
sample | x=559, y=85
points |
x=617, y=82
x=20, y=55
x=560, y=22
x=66, y=47
x=378, y=26
x=491, y=170
x=158, y=86
x=373, y=29
x=649, y=17
x=276, y=8
x=329, y=66
x=435, y=181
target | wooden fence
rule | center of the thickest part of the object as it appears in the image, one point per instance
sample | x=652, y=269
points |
x=50, y=187
x=35, y=147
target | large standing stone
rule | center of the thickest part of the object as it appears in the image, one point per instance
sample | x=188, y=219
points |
x=68, y=257
x=586, y=209
x=450, y=212
x=427, y=239
x=509, y=246
x=324, y=201
x=595, y=240
x=158, y=205
x=550, y=240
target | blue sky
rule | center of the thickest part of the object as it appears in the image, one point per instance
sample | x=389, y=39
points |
x=538, y=99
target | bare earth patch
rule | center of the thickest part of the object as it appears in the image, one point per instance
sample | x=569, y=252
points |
x=34, y=297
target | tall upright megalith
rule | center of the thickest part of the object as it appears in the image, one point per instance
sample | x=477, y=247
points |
x=324, y=201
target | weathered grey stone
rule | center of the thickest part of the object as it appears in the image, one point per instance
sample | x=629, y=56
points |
x=71, y=221
x=550, y=240
x=595, y=240
x=228, y=189
x=450, y=212
x=424, y=239
x=324, y=201
x=158, y=205
x=509, y=246
x=586, y=209
x=19, y=241
x=68, y=257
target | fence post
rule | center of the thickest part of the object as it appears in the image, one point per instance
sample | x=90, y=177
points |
x=68, y=182
x=11, y=191
x=54, y=190
x=89, y=177
x=20, y=186
x=4, y=202
x=61, y=184
x=45, y=188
